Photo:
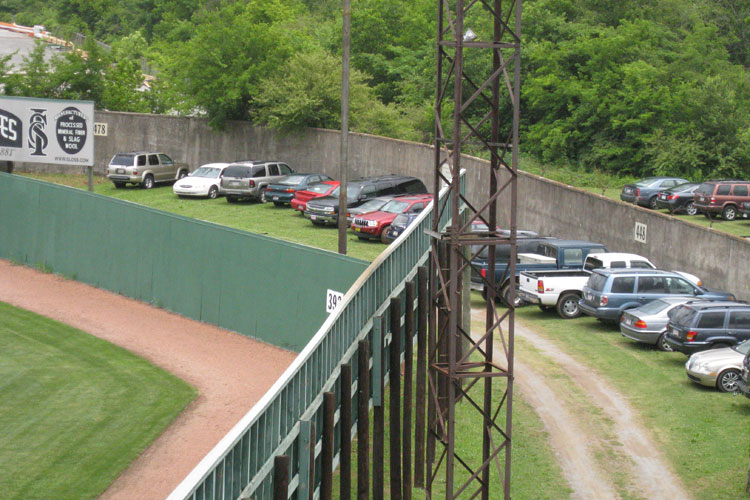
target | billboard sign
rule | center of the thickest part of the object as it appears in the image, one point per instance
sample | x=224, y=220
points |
x=46, y=131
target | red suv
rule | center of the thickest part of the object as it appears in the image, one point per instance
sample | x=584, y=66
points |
x=724, y=197
x=372, y=225
x=317, y=190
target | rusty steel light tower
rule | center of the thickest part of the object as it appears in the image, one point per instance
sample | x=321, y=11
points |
x=478, y=74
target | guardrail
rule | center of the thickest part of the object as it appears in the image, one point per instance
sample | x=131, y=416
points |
x=241, y=464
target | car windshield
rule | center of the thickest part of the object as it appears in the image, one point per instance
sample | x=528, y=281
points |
x=371, y=206
x=646, y=182
x=208, y=172
x=321, y=188
x=682, y=315
x=654, y=307
x=688, y=187
x=395, y=207
x=401, y=220
x=596, y=282
x=743, y=348
x=124, y=160
x=293, y=179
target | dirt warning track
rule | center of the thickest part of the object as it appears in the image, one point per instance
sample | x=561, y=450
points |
x=231, y=372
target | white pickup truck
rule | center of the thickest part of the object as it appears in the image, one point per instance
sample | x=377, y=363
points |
x=562, y=289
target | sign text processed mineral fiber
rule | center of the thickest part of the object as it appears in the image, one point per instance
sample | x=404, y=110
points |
x=46, y=131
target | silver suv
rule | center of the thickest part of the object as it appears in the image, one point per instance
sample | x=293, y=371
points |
x=144, y=168
x=248, y=179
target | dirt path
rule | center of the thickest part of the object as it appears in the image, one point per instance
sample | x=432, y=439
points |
x=574, y=444
x=230, y=371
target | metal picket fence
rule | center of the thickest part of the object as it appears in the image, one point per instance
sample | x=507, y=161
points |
x=241, y=465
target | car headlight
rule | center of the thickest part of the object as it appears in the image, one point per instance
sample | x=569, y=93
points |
x=701, y=368
x=328, y=209
x=372, y=223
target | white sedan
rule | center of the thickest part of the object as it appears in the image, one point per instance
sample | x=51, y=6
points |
x=718, y=368
x=205, y=181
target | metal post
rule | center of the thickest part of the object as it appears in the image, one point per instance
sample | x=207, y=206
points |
x=394, y=391
x=281, y=477
x=408, y=360
x=363, y=420
x=419, y=417
x=90, y=172
x=326, y=466
x=378, y=411
x=345, y=431
x=346, y=42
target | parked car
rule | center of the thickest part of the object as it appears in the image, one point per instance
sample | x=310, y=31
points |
x=146, y=169
x=561, y=289
x=325, y=210
x=743, y=383
x=398, y=226
x=678, y=199
x=477, y=226
x=533, y=254
x=372, y=225
x=282, y=191
x=722, y=197
x=701, y=326
x=648, y=323
x=609, y=292
x=248, y=180
x=368, y=206
x=644, y=191
x=744, y=211
x=720, y=368
x=205, y=181
x=318, y=190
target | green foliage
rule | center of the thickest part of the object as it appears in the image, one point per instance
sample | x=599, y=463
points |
x=306, y=92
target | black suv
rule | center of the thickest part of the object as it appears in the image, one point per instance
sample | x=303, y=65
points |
x=325, y=210
x=698, y=326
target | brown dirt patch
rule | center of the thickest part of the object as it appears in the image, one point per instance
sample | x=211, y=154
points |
x=231, y=372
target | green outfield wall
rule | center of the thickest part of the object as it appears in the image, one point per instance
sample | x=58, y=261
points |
x=258, y=286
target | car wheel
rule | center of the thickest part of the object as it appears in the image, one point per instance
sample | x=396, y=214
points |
x=505, y=294
x=182, y=174
x=652, y=203
x=119, y=185
x=213, y=192
x=567, y=305
x=383, y=239
x=148, y=182
x=729, y=212
x=662, y=343
x=727, y=380
x=231, y=199
x=690, y=209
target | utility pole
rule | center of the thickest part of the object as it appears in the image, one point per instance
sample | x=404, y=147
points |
x=344, y=168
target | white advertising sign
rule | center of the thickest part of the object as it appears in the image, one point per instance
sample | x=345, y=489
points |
x=46, y=131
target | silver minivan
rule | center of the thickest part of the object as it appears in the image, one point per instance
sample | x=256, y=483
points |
x=249, y=179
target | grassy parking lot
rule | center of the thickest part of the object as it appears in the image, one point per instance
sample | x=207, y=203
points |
x=703, y=433
x=76, y=410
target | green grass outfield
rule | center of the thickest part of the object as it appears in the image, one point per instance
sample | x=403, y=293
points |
x=76, y=410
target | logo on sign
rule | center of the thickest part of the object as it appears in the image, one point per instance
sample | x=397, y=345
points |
x=37, y=138
x=71, y=130
x=11, y=130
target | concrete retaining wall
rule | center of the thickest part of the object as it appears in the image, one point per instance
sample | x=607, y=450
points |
x=544, y=206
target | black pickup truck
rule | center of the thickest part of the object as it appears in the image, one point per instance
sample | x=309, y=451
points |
x=533, y=254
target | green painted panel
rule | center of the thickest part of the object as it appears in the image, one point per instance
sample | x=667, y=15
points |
x=258, y=286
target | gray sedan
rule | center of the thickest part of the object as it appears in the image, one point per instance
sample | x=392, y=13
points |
x=718, y=368
x=648, y=323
